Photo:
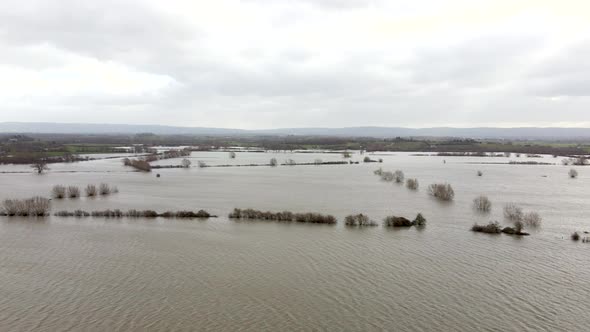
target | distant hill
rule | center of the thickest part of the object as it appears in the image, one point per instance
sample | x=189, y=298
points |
x=483, y=132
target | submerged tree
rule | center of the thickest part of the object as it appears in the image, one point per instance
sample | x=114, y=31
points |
x=40, y=166
x=186, y=163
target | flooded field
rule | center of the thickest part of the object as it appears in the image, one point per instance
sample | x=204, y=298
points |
x=220, y=274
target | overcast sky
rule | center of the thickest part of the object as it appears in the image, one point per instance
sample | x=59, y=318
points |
x=300, y=63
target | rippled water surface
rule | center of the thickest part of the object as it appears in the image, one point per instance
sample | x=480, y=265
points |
x=218, y=274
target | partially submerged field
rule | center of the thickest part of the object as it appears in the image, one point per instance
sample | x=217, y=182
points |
x=334, y=276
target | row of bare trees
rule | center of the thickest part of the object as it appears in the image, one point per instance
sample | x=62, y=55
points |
x=35, y=206
x=91, y=190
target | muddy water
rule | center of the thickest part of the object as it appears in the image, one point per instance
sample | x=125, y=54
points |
x=99, y=274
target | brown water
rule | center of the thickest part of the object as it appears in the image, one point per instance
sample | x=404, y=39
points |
x=99, y=274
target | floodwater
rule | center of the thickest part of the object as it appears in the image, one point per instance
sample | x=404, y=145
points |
x=69, y=274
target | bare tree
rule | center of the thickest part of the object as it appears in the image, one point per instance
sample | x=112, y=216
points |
x=40, y=166
x=482, y=203
x=442, y=191
x=513, y=212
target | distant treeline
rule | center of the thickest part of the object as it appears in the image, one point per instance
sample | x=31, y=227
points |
x=33, y=146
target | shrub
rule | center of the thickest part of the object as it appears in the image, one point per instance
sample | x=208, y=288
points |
x=91, y=190
x=394, y=221
x=314, y=218
x=318, y=161
x=358, y=220
x=479, y=173
x=573, y=173
x=575, y=236
x=232, y=155
x=290, y=162
x=273, y=162
x=346, y=154
x=419, y=220
x=491, y=228
x=412, y=184
x=201, y=164
x=73, y=192
x=378, y=171
x=513, y=212
x=104, y=189
x=398, y=176
x=368, y=160
x=442, y=191
x=532, y=219
x=387, y=176
x=482, y=203
x=59, y=191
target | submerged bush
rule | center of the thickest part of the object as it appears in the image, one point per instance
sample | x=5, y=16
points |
x=91, y=190
x=387, y=176
x=513, y=212
x=491, y=228
x=398, y=176
x=482, y=203
x=58, y=191
x=393, y=221
x=412, y=184
x=284, y=216
x=358, y=220
x=442, y=191
x=73, y=192
x=419, y=221
x=104, y=189
x=532, y=219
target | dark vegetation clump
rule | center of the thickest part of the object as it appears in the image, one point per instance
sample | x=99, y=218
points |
x=35, y=206
x=491, y=228
x=393, y=221
x=575, y=236
x=419, y=221
x=358, y=220
x=285, y=216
